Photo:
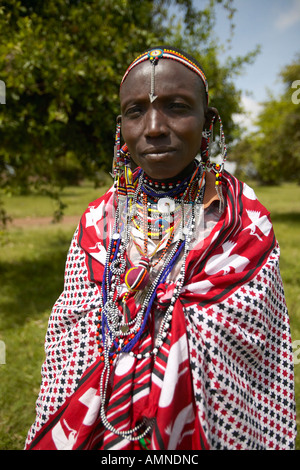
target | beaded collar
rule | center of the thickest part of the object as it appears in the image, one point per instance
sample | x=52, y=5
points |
x=161, y=185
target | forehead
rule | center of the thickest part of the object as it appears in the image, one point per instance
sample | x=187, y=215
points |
x=171, y=77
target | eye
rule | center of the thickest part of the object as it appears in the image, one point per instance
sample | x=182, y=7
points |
x=133, y=111
x=179, y=106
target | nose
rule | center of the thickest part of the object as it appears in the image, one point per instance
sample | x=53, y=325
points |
x=156, y=123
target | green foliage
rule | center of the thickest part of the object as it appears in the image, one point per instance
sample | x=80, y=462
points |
x=274, y=151
x=61, y=62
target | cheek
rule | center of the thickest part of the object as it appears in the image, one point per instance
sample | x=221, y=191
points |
x=130, y=134
x=131, y=138
x=191, y=133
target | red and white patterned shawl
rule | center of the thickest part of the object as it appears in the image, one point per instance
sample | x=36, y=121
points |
x=223, y=379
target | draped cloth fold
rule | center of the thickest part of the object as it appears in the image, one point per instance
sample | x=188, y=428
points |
x=224, y=377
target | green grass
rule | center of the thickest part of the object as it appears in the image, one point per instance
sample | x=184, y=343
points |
x=32, y=262
x=284, y=204
x=76, y=199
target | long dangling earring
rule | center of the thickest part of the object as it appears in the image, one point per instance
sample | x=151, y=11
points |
x=222, y=144
x=116, y=159
x=206, y=147
x=121, y=171
x=207, y=141
x=219, y=168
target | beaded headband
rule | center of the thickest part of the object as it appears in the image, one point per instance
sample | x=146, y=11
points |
x=155, y=54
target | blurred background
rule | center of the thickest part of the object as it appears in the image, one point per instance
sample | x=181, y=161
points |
x=61, y=63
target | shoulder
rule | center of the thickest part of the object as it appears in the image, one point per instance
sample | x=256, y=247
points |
x=107, y=196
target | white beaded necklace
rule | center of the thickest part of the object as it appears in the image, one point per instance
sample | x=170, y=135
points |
x=114, y=329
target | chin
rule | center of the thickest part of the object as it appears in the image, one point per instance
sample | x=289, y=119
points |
x=159, y=168
x=161, y=174
x=164, y=172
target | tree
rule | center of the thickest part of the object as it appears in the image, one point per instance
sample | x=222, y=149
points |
x=274, y=150
x=62, y=61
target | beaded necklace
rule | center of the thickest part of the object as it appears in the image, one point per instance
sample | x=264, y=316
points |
x=117, y=333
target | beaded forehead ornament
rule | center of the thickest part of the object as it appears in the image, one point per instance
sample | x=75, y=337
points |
x=154, y=56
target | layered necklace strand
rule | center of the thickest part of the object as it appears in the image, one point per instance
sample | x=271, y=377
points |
x=117, y=334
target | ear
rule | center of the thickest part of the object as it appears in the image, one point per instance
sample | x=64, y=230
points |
x=210, y=114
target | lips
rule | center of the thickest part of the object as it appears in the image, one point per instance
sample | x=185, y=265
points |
x=158, y=150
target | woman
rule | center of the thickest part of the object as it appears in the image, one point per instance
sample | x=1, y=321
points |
x=172, y=330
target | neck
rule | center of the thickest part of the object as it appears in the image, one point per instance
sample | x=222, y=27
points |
x=188, y=171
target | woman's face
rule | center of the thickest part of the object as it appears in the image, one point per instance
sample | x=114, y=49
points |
x=163, y=136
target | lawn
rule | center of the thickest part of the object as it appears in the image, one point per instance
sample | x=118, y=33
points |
x=32, y=262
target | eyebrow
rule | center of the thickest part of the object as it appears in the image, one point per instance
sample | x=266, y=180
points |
x=179, y=92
